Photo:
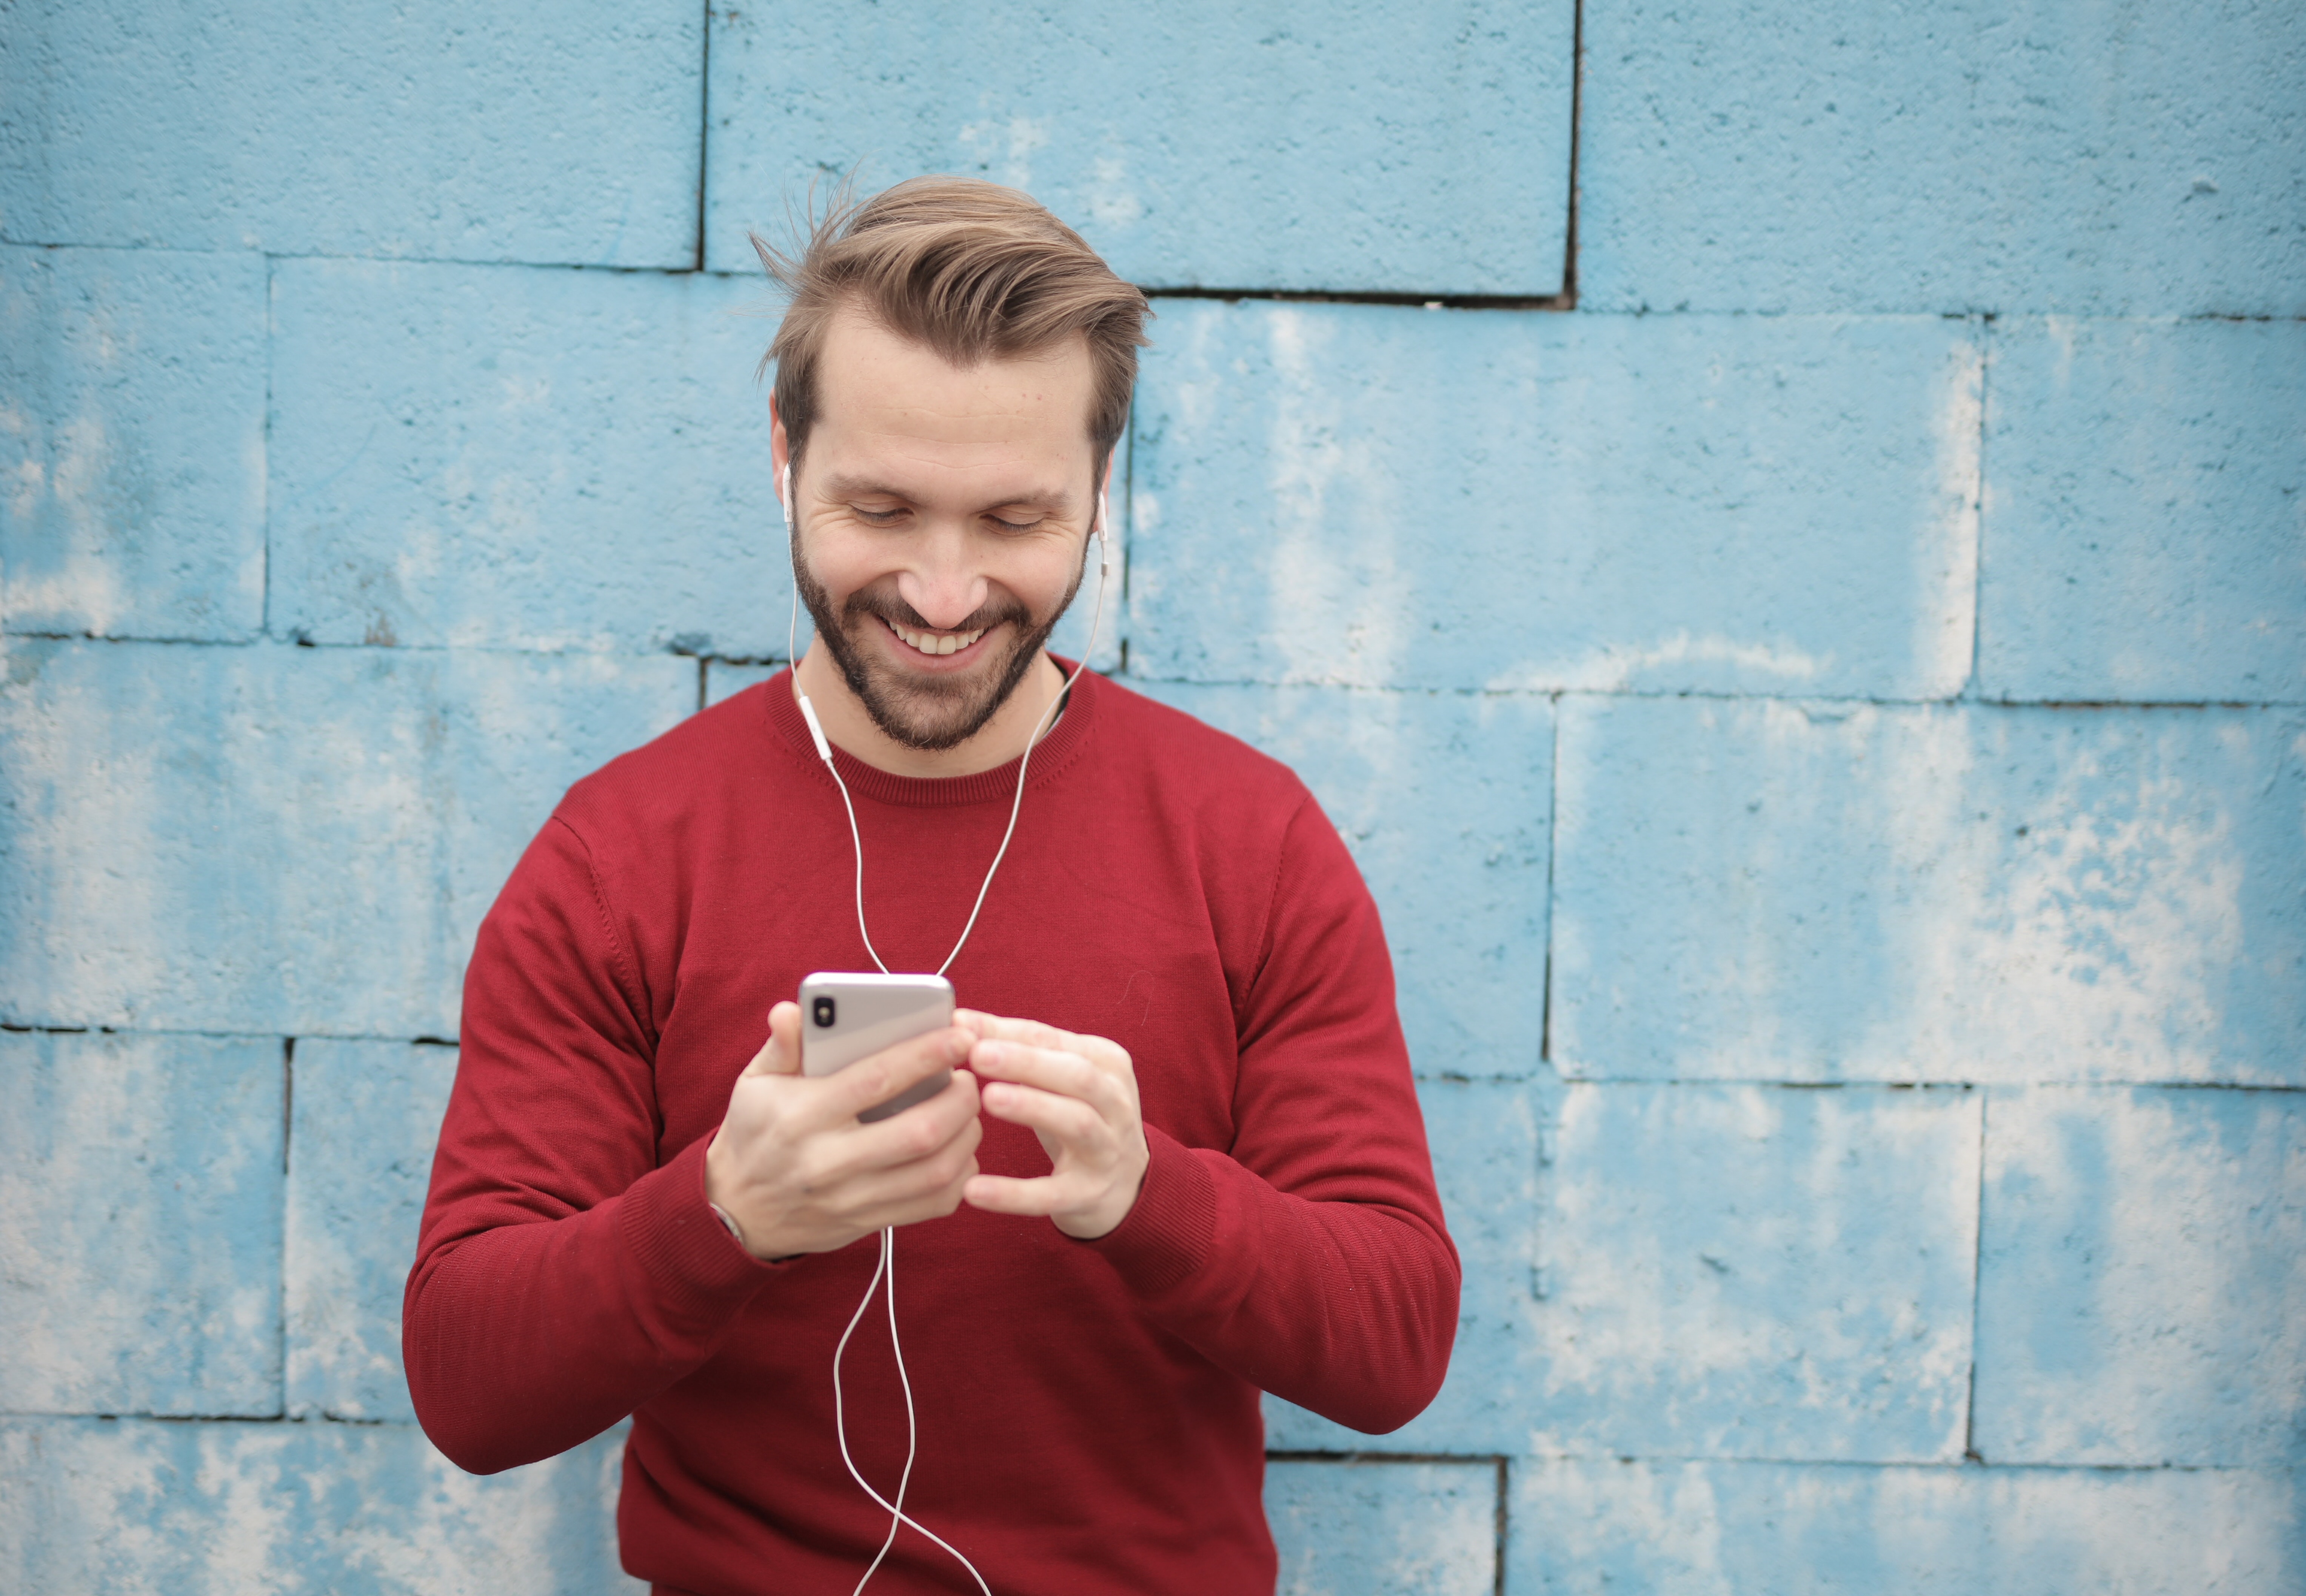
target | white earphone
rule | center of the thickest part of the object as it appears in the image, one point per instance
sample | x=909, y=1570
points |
x=886, y=1268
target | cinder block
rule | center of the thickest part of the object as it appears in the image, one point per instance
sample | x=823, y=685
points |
x=472, y=132
x=1755, y=1272
x=364, y=1119
x=2143, y=1278
x=1444, y=800
x=1371, y=1525
x=504, y=457
x=2144, y=535
x=131, y=443
x=1725, y=1529
x=143, y=1509
x=1380, y=497
x=139, y=1225
x=1853, y=891
x=299, y=841
x=1344, y=147
x=1486, y=1139
x=2126, y=159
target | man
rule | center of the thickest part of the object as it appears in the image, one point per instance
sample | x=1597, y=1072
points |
x=1179, y=1159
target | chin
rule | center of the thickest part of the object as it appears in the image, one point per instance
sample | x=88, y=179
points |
x=933, y=713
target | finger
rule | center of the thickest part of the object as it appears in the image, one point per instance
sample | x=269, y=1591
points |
x=1052, y=1070
x=1069, y=1122
x=918, y=1133
x=870, y=1192
x=1031, y=1032
x=781, y=1054
x=877, y=1079
x=1033, y=1198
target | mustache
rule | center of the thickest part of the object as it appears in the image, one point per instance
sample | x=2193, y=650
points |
x=985, y=617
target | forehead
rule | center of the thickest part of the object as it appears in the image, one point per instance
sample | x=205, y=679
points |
x=879, y=391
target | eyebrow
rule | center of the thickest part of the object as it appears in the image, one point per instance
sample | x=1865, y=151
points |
x=845, y=487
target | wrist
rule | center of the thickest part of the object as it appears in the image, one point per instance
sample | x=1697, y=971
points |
x=717, y=1196
x=716, y=1184
x=729, y=1223
x=716, y=1189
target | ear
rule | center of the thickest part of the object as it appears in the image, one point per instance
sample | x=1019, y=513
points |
x=780, y=446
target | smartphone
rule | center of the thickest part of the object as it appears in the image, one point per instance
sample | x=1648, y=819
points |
x=844, y=1018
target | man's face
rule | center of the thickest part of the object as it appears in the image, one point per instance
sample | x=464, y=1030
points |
x=940, y=519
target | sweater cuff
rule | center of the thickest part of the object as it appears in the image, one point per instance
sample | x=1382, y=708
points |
x=673, y=1231
x=1168, y=1236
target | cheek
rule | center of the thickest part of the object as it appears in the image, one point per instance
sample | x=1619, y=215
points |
x=1043, y=583
x=844, y=565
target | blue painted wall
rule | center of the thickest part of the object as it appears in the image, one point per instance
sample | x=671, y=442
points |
x=1807, y=642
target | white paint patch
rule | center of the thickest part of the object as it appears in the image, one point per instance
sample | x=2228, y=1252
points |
x=82, y=587
x=1683, y=1306
x=1113, y=199
x=2061, y=330
x=2092, y=949
x=2184, y=1351
x=1945, y=570
x=1338, y=602
x=1012, y=143
x=1617, y=668
x=1982, y=895
x=1726, y=1528
x=223, y=1509
x=1589, y=1515
x=1428, y=1527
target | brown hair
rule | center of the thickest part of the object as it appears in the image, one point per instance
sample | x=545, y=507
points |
x=971, y=269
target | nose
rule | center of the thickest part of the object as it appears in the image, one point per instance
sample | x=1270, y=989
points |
x=940, y=583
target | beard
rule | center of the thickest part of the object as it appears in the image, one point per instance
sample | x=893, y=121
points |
x=935, y=713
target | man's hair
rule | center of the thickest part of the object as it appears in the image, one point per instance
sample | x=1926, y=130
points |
x=968, y=268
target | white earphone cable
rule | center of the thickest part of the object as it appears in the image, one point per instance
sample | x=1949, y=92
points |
x=885, y=1270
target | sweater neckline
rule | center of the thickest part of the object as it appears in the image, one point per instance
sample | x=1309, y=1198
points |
x=1051, y=755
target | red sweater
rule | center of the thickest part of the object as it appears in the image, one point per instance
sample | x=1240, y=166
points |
x=1088, y=1410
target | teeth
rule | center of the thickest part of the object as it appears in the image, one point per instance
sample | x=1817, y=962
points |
x=936, y=643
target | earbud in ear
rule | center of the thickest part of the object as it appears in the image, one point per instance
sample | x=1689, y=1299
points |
x=784, y=495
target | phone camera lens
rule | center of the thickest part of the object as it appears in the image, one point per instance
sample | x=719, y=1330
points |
x=821, y=1011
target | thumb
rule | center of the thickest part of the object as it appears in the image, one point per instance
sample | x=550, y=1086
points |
x=781, y=1054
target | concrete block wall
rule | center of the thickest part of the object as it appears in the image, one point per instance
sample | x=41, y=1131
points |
x=1778, y=533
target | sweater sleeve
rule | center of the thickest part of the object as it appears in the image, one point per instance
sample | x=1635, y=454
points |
x=1310, y=1257
x=562, y=1279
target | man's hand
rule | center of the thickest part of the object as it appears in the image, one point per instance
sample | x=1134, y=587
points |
x=1078, y=1095
x=798, y=1171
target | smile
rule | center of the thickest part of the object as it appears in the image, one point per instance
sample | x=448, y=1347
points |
x=933, y=643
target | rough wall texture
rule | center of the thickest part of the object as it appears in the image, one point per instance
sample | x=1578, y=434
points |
x=1809, y=644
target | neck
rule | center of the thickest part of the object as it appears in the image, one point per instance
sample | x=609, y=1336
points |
x=849, y=728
